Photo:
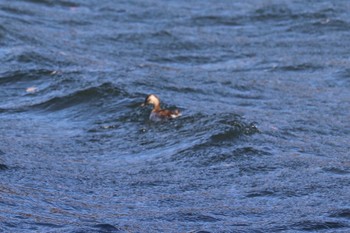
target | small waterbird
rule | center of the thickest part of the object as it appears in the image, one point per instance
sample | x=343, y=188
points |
x=157, y=113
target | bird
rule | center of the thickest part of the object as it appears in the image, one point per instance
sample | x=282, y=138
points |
x=157, y=113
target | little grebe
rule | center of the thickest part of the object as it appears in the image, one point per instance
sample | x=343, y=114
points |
x=157, y=113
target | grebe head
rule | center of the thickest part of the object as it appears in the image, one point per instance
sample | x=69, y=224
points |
x=152, y=99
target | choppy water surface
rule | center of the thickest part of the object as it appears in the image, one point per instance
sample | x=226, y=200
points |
x=262, y=146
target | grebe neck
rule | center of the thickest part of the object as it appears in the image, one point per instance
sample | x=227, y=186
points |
x=156, y=107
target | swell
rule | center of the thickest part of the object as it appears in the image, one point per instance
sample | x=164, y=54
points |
x=95, y=94
x=83, y=101
x=197, y=138
x=23, y=75
x=205, y=139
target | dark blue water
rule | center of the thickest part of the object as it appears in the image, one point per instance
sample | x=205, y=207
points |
x=263, y=144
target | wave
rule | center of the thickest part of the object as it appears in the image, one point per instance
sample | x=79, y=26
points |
x=198, y=138
x=81, y=101
x=23, y=75
x=89, y=95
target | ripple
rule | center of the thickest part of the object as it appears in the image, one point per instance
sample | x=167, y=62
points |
x=264, y=193
x=186, y=59
x=337, y=170
x=321, y=26
x=213, y=20
x=299, y=67
x=191, y=217
x=17, y=10
x=103, y=227
x=344, y=78
x=65, y=3
x=309, y=225
x=341, y=213
x=3, y=167
x=273, y=12
x=237, y=129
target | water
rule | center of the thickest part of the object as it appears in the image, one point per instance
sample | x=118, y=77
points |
x=262, y=146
